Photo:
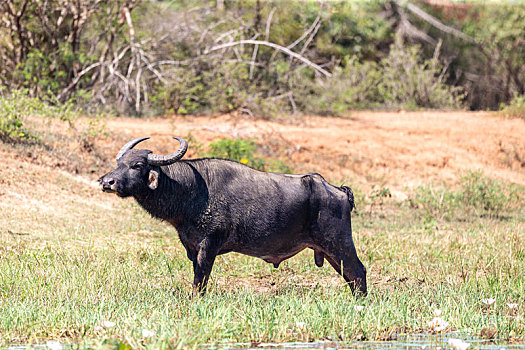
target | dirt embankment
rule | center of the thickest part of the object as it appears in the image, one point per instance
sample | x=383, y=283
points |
x=392, y=149
x=396, y=150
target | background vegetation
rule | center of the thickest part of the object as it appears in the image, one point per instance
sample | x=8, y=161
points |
x=264, y=57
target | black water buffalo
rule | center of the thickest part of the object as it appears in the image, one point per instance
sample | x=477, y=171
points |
x=220, y=206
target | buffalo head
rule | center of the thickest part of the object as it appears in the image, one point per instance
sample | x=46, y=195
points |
x=137, y=169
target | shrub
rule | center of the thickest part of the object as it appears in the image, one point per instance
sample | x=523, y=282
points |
x=409, y=82
x=16, y=105
x=484, y=195
x=13, y=107
x=477, y=195
x=351, y=87
x=240, y=150
x=218, y=87
x=516, y=108
x=243, y=151
x=399, y=80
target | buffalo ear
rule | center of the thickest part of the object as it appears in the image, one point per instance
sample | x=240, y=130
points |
x=153, y=179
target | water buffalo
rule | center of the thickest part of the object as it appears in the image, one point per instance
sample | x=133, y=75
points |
x=219, y=206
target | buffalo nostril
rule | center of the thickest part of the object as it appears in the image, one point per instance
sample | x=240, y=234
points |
x=111, y=182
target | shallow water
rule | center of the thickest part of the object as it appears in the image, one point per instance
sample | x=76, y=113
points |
x=414, y=341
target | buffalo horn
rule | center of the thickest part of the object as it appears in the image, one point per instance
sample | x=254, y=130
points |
x=159, y=160
x=129, y=146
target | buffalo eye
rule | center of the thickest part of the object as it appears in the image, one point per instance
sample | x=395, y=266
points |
x=137, y=165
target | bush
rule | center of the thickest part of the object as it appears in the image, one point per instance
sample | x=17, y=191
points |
x=484, y=195
x=491, y=70
x=171, y=61
x=243, y=151
x=401, y=80
x=477, y=195
x=240, y=150
x=218, y=87
x=17, y=105
x=409, y=82
x=516, y=108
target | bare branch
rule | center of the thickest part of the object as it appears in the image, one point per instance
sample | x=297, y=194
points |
x=292, y=102
x=305, y=34
x=310, y=38
x=252, y=63
x=207, y=30
x=228, y=34
x=269, y=23
x=438, y=24
x=77, y=79
x=406, y=29
x=274, y=46
x=137, y=90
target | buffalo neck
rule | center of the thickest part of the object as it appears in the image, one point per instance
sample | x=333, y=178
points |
x=181, y=192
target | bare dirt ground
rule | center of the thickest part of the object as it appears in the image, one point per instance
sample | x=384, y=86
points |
x=397, y=150
x=393, y=149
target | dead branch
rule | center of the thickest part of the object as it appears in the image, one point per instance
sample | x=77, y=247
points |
x=438, y=24
x=406, y=30
x=274, y=46
x=268, y=24
x=311, y=37
x=77, y=79
x=305, y=34
x=252, y=63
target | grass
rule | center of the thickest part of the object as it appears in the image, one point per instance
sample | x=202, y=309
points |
x=72, y=259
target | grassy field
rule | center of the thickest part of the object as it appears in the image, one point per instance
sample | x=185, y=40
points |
x=83, y=267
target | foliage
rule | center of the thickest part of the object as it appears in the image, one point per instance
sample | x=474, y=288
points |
x=44, y=61
x=240, y=150
x=399, y=80
x=223, y=88
x=490, y=66
x=410, y=83
x=476, y=196
x=486, y=196
x=158, y=57
x=17, y=104
x=244, y=151
x=516, y=108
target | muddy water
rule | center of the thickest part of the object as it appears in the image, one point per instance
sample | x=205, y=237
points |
x=416, y=341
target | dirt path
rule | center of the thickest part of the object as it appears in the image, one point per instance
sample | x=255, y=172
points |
x=393, y=149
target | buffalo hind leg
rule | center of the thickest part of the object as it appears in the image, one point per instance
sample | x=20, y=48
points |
x=203, y=263
x=352, y=271
x=318, y=257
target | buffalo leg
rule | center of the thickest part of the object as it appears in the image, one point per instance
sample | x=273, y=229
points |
x=339, y=251
x=203, y=264
x=318, y=257
x=352, y=271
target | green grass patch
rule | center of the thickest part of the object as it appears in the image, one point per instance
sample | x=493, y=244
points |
x=96, y=270
x=475, y=196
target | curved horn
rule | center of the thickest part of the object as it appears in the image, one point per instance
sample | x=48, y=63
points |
x=129, y=146
x=159, y=160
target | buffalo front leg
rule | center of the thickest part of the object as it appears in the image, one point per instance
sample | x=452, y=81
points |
x=352, y=271
x=203, y=263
